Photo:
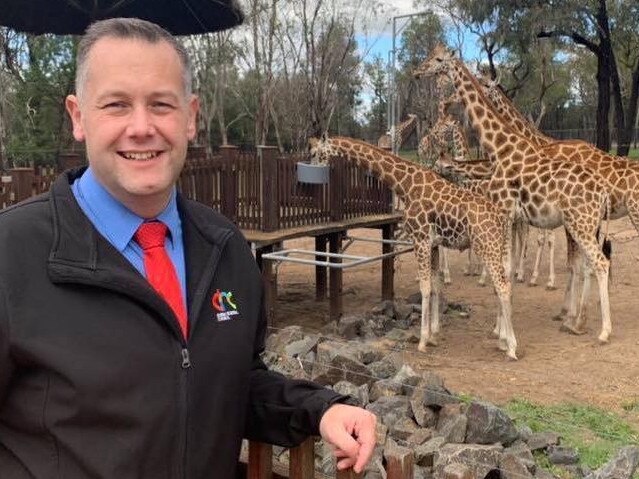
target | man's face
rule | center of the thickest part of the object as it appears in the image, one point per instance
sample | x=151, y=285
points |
x=135, y=119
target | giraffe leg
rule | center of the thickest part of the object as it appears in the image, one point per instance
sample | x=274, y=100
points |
x=423, y=254
x=550, y=239
x=434, y=293
x=576, y=325
x=540, y=249
x=521, y=238
x=468, y=270
x=482, y=278
x=503, y=288
x=569, y=308
x=445, y=266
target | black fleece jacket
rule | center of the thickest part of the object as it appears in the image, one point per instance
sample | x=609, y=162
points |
x=96, y=380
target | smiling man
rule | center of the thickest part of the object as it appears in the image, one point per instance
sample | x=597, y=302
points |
x=131, y=322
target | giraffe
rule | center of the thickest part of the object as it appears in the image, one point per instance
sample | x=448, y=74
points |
x=524, y=127
x=548, y=191
x=402, y=132
x=620, y=174
x=437, y=212
x=478, y=170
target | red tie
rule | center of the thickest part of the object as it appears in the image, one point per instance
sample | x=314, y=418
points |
x=159, y=268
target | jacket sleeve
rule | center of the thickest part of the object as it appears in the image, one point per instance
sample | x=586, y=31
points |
x=283, y=411
x=6, y=365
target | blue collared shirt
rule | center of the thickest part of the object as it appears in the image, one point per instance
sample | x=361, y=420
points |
x=118, y=224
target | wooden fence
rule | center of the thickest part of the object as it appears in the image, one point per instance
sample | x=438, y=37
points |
x=18, y=184
x=302, y=464
x=260, y=191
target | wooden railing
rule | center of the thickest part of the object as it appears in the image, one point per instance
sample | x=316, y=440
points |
x=260, y=465
x=256, y=190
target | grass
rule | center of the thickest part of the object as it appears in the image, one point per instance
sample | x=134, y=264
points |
x=595, y=433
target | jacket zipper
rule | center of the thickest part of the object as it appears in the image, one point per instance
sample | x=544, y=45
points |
x=184, y=380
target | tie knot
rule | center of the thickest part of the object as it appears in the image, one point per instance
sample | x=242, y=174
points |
x=151, y=235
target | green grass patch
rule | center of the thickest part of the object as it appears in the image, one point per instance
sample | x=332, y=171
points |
x=631, y=405
x=595, y=433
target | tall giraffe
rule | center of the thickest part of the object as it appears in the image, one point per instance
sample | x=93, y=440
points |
x=402, y=132
x=545, y=190
x=620, y=174
x=436, y=212
x=524, y=127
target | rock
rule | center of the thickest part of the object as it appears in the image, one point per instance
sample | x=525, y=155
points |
x=389, y=409
x=524, y=432
x=403, y=429
x=622, y=466
x=437, y=396
x=382, y=369
x=302, y=347
x=278, y=341
x=576, y=471
x=452, y=424
x=367, y=353
x=381, y=432
x=385, y=387
x=562, y=455
x=379, y=324
x=541, y=440
x=398, y=335
x=425, y=454
x=521, y=451
x=386, y=308
x=512, y=467
x=335, y=364
x=407, y=378
x=424, y=416
x=360, y=393
x=487, y=424
x=480, y=459
x=456, y=471
x=422, y=472
x=415, y=298
x=419, y=437
x=541, y=473
x=350, y=327
x=403, y=311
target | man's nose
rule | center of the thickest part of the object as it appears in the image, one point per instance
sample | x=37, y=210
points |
x=140, y=123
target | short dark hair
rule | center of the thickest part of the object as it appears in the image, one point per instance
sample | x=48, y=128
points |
x=127, y=28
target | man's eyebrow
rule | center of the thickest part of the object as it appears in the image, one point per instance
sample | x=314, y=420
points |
x=111, y=94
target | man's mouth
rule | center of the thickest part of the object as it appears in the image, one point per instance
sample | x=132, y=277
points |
x=139, y=155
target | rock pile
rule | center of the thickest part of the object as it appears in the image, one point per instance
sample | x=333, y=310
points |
x=417, y=414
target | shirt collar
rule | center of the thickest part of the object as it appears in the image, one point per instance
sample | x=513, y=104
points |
x=116, y=220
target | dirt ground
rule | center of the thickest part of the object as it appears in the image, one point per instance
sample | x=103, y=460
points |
x=553, y=366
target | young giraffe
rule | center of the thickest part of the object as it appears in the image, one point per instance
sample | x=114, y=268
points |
x=547, y=191
x=480, y=170
x=402, y=132
x=436, y=212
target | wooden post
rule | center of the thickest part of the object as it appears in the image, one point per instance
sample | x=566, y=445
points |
x=336, y=189
x=388, y=264
x=335, y=276
x=399, y=466
x=228, y=182
x=260, y=461
x=320, y=271
x=269, y=280
x=349, y=474
x=302, y=463
x=22, y=179
x=268, y=157
x=70, y=159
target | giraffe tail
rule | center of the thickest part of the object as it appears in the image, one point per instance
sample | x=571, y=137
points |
x=605, y=242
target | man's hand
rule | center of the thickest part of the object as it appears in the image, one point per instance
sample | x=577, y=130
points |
x=351, y=431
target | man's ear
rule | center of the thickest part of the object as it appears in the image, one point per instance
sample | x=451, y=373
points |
x=72, y=105
x=194, y=107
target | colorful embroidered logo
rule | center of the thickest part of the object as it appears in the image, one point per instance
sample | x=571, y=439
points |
x=224, y=304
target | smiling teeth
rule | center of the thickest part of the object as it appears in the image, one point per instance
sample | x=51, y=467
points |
x=147, y=155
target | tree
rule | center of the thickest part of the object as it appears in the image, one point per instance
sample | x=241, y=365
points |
x=375, y=72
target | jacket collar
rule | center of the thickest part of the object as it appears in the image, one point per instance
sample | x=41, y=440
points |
x=79, y=254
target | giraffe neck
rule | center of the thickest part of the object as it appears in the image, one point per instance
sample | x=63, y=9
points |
x=403, y=131
x=519, y=122
x=390, y=169
x=460, y=145
x=495, y=135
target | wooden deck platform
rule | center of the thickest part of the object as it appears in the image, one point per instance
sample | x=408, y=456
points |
x=326, y=235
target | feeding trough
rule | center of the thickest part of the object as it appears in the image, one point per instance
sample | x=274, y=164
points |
x=314, y=174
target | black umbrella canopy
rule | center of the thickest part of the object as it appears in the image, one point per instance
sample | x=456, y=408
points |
x=180, y=17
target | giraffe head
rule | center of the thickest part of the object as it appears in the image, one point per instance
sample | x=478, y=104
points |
x=437, y=63
x=321, y=150
x=489, y=85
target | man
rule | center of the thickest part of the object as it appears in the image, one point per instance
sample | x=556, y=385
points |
x=114, y=359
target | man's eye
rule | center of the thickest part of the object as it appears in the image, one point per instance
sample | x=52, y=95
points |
x=115, y=105
x=160, y=105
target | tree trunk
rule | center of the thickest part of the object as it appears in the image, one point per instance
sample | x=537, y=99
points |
x=623, y=147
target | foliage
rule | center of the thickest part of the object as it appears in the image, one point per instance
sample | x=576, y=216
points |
x=595, y=433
